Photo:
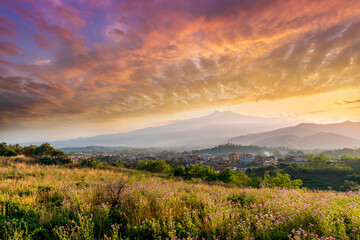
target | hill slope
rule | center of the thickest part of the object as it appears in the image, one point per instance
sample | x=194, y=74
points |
x=204, y=131
x=306, y=135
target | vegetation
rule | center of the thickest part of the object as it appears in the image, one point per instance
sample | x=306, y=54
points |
x=228, y=148
x=58, y=202
x=44, y=195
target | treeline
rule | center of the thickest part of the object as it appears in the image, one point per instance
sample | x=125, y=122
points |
x=207, y=173
x=44, y=154
x=231, y=148
x=348, y=151
x=322, y=172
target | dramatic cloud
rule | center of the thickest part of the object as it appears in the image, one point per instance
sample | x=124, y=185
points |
x=99, y=62
x=42, y=41
x=9, y=48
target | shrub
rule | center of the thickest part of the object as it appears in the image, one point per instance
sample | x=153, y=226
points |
x=353, y=178
x=118, y=163
x=349, y=186
x=243, y=199
x=159, y=166
x=57, y=153
x=110, y=193
x=90, y=162
x=48, y=160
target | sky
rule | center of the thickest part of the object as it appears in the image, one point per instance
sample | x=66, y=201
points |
x=75, y=68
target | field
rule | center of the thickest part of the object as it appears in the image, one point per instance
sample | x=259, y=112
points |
x=57, y=202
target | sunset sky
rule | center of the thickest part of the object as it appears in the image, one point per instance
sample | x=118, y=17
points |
x=71, y=68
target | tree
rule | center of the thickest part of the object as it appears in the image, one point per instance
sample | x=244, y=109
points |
x=159, y=166
x=16, y=147
x=209, y=174
x=280, y=180
x=57, y=153
x=43, y=149
x=321, y=159
x=196, y=171
x=6, y=150
x=226, y=175
x=310, y=157
x=179, y=171
x=28, y=151
x=345, y=158
x=240, y=179
x=349, y=186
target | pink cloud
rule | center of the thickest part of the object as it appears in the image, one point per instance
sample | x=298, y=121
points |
x=6, y=22
x=42, y=41
x=6, y=32
x=165, y=56
x=9, y=48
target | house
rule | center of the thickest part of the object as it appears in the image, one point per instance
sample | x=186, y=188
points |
x=233, y=157
x=246, y=158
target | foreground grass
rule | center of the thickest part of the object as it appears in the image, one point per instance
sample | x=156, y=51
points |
x=50, y=202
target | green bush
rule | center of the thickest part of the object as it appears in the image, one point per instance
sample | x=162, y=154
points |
x=48, y=160
x=243, y=199
x=349, y=186
x=159, y=166
x=90, y=162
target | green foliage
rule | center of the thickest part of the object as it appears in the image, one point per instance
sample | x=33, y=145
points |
x=43, y=149
x=349, y=186
x=7, y=150
x=90, y=162
x=28, y=151
x=318, y=160
x=281, y=180
x=180, y=171
x=57, y=153
x=209, y=173
x=260, y=171
x=118, y=163
x=227, y=175
x=58, y=160
x=228, y=148
x=151, y=206
x=242, y=198
x=353, y=178
x=17, y=229
x=84, y=230
x=196, y=171
x=159, y=166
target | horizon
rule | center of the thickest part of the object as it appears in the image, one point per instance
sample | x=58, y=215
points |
x=73, y=69
x=295, y=123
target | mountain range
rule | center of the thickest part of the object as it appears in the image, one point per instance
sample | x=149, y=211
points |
x=228, y=127
x=191, y=133
x=306, y=136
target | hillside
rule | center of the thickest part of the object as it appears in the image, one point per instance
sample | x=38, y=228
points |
x=306, y=136
x=196, y=132
x=84, y=203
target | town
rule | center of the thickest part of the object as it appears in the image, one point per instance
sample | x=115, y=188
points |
x=234, y=161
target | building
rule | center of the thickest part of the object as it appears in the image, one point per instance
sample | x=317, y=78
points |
x=193, y=158
x=207, y=157
x=246, y=158
x=219, y=158
x=233, y=157
x=271, y=160
x=260, y=159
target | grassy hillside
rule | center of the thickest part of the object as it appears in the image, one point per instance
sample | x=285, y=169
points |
x=52, y=202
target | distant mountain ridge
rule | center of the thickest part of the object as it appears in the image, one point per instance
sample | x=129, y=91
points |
x=204, y=131
x=306, y=136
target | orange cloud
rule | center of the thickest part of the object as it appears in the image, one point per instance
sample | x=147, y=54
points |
x=156, y=57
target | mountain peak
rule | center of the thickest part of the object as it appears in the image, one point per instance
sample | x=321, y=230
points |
x=225, y=114
x=222, y=113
